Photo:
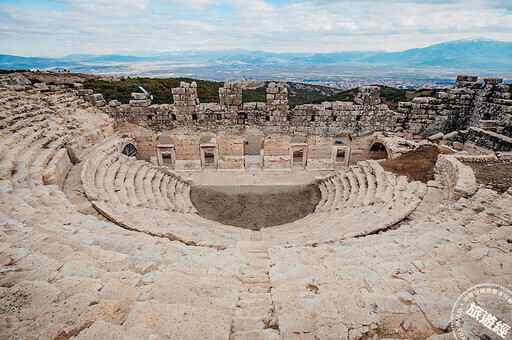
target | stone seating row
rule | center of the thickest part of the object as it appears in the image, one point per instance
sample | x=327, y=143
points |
x=361, y=201
x=77, y=273
x=406, y=273
x=139, y=196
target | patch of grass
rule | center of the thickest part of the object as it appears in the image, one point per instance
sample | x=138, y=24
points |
x=160, y=88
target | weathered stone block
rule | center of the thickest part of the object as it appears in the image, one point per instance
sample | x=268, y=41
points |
x=146, y=102
x=140, y=96
x=493, y=81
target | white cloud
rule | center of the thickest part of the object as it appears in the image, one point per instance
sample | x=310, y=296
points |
x=120, y=8
x=101, y=26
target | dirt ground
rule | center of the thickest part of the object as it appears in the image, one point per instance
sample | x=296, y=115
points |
x=417, y=165
x=255, y=206
x=497, y=176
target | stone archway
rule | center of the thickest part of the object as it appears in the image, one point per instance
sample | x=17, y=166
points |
x=378, y=151
x=131, y=151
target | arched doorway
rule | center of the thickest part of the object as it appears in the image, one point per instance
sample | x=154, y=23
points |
x=378, y=151
x=131, y=151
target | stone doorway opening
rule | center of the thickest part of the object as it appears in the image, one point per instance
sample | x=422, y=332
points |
x=253, y=142
x=298, y=151
x=378, y=151
x=131, y=151
x=209, y=152
x=340, y=153
x=340, y=156
x=298, y=156
x=253, y=148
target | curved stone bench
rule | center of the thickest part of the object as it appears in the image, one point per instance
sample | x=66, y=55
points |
x=360, y=213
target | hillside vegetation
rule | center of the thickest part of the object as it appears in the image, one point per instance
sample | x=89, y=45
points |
x=160, y=88
x=298, y=93
x=208, y=91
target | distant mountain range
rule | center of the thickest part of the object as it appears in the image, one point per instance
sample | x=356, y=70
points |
x=477, y=54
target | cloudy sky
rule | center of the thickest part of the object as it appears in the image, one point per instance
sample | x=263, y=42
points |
x=61, y=27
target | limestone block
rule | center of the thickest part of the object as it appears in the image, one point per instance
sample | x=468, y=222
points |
x=145, y=102
x=57, y=167
x=41, y=87
x=140, y=96
x=178, y=90
x=461, y=179
x=436, y=136
x=114, y=103
x=85, y=92
x=493, y=81
x=467, y=78
x=272, y=90
x=180, y=321
x=96, y=96
x=64, y=81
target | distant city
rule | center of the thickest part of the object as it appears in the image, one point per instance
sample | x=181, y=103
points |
x=431, y=67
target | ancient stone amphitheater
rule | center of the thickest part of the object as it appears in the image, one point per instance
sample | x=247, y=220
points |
x=100, y=239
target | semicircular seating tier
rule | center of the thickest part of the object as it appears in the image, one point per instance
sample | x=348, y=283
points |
x=139, y=196
x=60, y=260
x=143, y=197
x=68, y=274
x=361, y=201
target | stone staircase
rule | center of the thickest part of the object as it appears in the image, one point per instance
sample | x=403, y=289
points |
x=255, y=315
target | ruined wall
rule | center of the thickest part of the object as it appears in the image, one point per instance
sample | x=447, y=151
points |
x=467, y=104
x=365, y=115
x=486, y=105
x=487, y=139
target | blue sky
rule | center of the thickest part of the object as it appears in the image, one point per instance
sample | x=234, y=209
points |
x=61, y=27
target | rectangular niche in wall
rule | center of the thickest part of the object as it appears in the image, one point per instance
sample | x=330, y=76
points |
x=340, y=156
x=298, y=156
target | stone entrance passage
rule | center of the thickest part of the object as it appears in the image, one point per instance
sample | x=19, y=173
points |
x=255, y=206
x=378, y=151
x=253, y=140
